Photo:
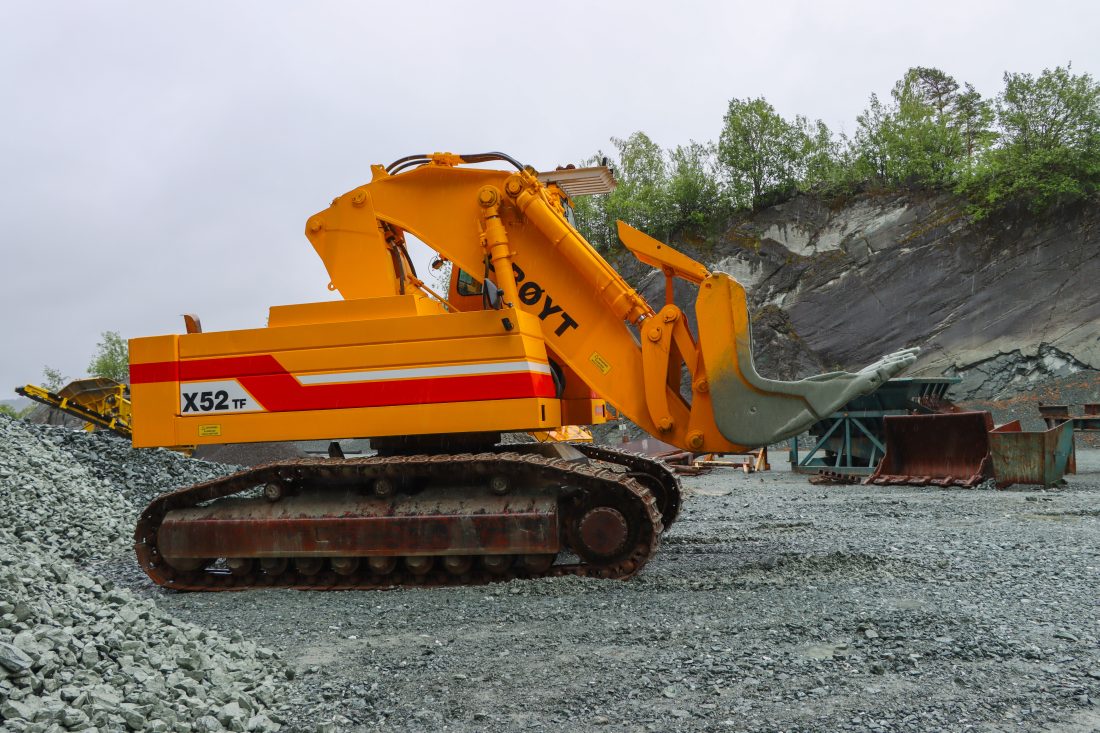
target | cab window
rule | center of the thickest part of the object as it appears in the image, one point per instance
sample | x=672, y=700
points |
x=467, y=285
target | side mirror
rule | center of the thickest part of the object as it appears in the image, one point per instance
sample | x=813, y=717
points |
x=491, y=295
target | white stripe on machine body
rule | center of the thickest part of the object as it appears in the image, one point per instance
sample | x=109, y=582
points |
x=454, y=370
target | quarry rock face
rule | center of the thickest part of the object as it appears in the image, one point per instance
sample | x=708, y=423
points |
x=1003, y=303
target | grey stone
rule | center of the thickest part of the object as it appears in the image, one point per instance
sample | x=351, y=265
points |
x=74, y=718
x=261, y=722
x=14, y=659
x=133, y=716
x=230, y=712
x=208, y=724
x=14, y=709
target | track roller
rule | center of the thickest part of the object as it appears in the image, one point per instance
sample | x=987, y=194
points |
x=308, y=565
x=496, y=564
x=273, y=566
x=344, y=565
x=382, y=565
x=536, y=563
x=419, y=564
x=458, y=564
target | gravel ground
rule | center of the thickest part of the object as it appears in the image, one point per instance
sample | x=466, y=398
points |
x=773, y=605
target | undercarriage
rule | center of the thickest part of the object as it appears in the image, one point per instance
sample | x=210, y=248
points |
x=425, y=519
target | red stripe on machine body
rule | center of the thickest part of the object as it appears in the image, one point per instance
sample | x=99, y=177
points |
x=157, y=371
x=278, y=391
x=233, y=367
x=283, y=393
x=200, y=369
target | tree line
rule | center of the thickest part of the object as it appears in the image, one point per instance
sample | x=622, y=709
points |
x=1036, y=145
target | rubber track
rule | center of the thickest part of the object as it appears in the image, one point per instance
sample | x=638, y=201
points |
x=641, y=463
x=585, y=477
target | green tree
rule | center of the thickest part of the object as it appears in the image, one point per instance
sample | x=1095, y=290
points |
x=817, y=151
x=756, y=151
x=763, y=154
x=928, y=134
x=974, y=120
x=112, y=358
x=874, y=143
x=1049, y=148
x=641, y=196
x=9, y=411
x=694, y=189
x=53, y=379
x=1039, y=144
x=926, y=145
x=590, y=218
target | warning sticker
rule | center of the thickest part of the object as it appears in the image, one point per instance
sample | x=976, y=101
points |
x=209, y=431
x=600, y=362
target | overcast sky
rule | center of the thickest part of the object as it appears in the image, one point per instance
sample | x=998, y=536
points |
x=162, y=158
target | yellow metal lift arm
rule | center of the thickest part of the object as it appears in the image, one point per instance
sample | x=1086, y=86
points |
x=513, y=228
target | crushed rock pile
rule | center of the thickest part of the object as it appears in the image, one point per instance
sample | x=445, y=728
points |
x=78, y=653
x=139, y=475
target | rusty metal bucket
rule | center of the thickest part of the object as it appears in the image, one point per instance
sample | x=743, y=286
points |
x=948, y=449
x=1031, y=457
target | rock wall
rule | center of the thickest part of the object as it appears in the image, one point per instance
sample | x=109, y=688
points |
x=1003, y=303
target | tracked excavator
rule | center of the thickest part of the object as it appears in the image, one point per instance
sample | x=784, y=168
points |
x=535, y=331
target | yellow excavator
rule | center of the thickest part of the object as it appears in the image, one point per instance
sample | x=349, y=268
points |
x=536, y=330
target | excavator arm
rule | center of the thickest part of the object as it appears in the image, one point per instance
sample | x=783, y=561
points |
x=512, y=227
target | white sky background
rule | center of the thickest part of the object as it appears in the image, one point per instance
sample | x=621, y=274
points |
x=162, y=158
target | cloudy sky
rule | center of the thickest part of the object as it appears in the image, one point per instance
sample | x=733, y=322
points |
x=162, y=158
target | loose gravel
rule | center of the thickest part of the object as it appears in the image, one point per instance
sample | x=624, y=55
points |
x=76, y=651
x=773, y=605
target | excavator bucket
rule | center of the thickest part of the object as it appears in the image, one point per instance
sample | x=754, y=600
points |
x=751, y=410
x=943, y=449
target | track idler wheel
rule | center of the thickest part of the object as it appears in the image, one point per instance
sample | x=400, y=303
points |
x=603, y=530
